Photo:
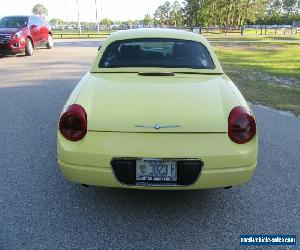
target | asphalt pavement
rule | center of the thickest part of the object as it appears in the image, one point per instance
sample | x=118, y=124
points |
x=39, y=209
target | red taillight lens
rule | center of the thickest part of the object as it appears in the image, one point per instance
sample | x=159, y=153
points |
x=241, y=125
x=73, y=123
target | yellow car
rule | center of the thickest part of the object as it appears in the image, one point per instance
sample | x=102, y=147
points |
x=156, y=111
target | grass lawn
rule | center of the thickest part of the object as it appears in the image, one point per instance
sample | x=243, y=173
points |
x=266, y=73
x=270, y=38
x=277, y=58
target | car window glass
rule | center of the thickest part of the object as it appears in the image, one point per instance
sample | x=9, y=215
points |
x=36, y=21
x=13, y=22
x=33, y=21
x=41, y=21
x=30, y=22
x=157, y=52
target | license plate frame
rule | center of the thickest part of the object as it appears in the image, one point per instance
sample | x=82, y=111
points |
x=156, y=170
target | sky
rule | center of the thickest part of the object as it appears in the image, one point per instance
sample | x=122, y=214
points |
x=67, y=9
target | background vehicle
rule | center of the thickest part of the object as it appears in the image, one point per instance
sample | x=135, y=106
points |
x=20, y=34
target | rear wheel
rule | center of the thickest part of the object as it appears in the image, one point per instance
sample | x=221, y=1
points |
x=28, y=48
x=49, y=44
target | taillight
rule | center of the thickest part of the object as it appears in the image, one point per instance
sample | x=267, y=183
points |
x=241, y=125
x=73, y=123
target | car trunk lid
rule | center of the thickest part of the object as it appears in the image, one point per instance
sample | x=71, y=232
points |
x=187, y=103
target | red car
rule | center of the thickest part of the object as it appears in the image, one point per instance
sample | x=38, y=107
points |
x=20, y=34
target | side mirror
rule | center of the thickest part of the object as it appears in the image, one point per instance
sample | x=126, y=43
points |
x=33, y=26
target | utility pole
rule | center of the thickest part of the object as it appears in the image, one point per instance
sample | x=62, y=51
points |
x=79, y=26
x=66, y=11
x=96, y=7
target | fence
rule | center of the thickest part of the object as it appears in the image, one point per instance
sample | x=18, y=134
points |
x=204, y=30
x=77, y=35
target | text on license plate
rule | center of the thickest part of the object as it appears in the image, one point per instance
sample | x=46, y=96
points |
x=156, y=170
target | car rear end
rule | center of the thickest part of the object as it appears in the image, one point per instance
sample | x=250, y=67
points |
x=203, y=160
x=156, y=111
x=203, y=138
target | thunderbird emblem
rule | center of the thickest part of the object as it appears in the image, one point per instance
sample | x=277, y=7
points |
x=156, y=126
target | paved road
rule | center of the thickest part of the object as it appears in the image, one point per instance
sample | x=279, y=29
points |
x=40, y=209
x=78, y=42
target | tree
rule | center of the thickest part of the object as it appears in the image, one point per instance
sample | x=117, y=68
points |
x=40, y=10
x=56, y=21
x=159, y=17
x=290, y=7
x=225, y=13
x=191, y=11
x=166, y=7
x=136, y=22
x=280, y=12
x=176, y=14
x=148, y=20
x=162, y=14
x=106, y=22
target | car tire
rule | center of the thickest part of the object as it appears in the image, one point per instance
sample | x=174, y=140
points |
x=28, y=48
x=50, y=43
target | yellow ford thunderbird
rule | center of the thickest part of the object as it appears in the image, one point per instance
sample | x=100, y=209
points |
x=156, y=111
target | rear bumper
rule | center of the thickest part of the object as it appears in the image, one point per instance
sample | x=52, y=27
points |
x=104, y=176
x=224, y=162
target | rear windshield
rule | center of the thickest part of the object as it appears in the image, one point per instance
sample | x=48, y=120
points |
x=13, y=22
x=156, y=52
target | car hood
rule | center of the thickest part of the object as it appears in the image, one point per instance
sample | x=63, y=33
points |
x=8, y=30
x=132, y=103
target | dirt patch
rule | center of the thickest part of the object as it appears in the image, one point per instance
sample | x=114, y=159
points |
x=250, y=47
x=281, y=93
x=248, y=74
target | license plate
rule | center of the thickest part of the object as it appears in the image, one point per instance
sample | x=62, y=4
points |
x=156, y=170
